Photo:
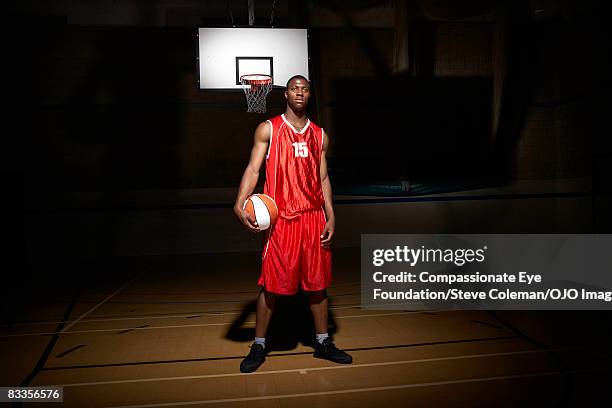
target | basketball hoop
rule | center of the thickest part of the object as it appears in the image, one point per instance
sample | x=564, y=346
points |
x=256, y=88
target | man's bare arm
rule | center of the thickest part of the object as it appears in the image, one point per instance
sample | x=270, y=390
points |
x=251, y=174
x=330, y=225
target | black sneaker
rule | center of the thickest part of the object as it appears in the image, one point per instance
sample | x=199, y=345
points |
x=328, y=351
x=254, y=359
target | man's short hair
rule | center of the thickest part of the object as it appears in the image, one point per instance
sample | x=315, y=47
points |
x=297, y=77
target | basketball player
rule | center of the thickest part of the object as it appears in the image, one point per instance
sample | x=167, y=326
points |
x=297, y=249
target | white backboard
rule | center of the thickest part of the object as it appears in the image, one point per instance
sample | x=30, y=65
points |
x=227, y=53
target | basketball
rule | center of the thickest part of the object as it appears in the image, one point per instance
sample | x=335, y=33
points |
x=263, y=208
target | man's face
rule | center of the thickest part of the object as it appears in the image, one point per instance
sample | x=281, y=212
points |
x=297, y=94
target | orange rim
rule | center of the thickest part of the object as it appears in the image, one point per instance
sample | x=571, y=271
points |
x=256, y=79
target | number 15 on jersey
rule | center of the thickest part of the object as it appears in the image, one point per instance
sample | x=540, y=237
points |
x=300, y=148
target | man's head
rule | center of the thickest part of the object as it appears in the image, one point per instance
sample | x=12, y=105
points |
x=297, y=93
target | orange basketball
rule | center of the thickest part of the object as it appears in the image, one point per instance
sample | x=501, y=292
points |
x=263, y=209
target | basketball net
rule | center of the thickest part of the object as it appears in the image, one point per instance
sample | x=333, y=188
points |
x=256, y=88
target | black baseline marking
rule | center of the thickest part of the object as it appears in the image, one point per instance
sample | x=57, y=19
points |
x=129, y=330
x=63, y=353
x=488, y=324
x=191, y=360
x=40, y=365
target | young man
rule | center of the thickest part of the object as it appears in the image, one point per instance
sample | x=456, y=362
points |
x=296, y=250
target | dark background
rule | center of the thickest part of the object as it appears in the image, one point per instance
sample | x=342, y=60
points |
x=115, y=140
x=408, y=90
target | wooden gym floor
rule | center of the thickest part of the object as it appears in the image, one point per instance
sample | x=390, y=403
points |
x=171, y=332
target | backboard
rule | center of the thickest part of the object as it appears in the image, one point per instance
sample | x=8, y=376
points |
x=227, y=53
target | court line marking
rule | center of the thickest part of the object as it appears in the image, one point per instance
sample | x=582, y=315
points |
x=305, y=370
x=125, y=285
x=177, y=326
x=366, y=389
x=302, y=352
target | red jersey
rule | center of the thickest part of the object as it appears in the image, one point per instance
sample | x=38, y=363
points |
x=293, y=177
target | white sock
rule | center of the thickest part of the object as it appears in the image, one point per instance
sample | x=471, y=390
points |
x=261, y=341
x=322, y=336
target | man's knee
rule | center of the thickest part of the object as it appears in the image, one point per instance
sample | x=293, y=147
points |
x=317, y=295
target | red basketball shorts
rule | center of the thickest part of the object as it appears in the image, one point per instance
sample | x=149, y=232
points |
x=293, y=255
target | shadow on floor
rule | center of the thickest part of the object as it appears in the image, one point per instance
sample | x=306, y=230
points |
x=290, y=325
